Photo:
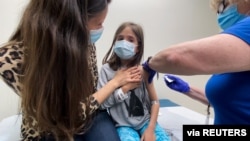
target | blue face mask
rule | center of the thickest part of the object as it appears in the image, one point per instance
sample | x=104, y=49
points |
x=229, y=17
x=95, y=34
x=124, y=49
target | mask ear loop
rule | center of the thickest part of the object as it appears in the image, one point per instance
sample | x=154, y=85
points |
x=208, y=114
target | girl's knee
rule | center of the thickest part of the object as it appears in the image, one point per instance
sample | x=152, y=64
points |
x=128, y=134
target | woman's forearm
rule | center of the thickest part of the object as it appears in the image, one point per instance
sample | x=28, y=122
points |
x=198, y=95
x=102, y=94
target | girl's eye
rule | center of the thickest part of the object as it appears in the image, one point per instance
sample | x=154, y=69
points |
x=119, y=39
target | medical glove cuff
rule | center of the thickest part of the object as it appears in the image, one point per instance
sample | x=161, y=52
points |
x=150, y=71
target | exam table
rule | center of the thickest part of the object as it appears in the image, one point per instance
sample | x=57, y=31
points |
x=171, y=117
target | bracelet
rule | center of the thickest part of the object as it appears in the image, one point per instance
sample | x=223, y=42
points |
x=121, y=96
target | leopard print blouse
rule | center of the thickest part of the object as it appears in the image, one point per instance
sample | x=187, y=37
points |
x=11, y=58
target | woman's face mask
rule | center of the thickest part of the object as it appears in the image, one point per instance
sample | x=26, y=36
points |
x=95, y=34
x=229, y=17
x=124, y=49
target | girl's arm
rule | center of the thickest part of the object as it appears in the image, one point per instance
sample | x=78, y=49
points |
x=155, y=105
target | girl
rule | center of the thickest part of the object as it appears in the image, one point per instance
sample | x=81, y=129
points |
x=134, y=107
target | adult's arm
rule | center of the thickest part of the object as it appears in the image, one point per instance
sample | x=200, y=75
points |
x=177, y=84
x=198, y=95
x=11, y=59
x=225, y=52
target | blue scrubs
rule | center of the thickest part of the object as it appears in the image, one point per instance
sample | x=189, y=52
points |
x=229, y=93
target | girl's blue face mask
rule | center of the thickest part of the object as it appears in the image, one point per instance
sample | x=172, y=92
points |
x=124, y=49
x=229, y=17
x=95, y=34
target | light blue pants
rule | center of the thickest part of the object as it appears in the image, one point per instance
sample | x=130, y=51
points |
x=130, y=134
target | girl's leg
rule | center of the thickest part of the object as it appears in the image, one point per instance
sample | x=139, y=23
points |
x=128, y=134
x=160, y=133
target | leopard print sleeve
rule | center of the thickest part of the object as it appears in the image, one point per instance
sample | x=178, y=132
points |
x=28, y=132
x=11, y=59
x=94, y=105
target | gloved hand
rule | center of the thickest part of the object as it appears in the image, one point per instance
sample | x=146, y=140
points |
x=150, y=71
x=176, y=83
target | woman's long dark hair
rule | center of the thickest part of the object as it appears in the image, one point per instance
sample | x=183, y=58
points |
x=56, y=71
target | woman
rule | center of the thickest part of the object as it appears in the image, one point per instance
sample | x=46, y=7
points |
x=46, y=61
x=225, y=55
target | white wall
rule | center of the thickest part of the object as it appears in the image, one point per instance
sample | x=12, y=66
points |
x=10, y=12
x=165, y=22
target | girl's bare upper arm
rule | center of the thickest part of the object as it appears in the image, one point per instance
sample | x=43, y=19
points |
x=151, y=91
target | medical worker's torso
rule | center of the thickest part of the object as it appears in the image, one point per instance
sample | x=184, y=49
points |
x=229, y=93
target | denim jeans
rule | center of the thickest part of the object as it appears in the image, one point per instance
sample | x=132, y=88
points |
x=102, y=129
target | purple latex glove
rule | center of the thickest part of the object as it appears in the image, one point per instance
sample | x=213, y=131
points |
x=150, y=71
x=176, y=83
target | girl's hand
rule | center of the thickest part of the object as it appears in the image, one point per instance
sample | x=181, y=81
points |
x=130, y=86
x=124, y=76
x=148, y=135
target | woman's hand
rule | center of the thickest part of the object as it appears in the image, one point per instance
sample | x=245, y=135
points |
x=176, y=83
